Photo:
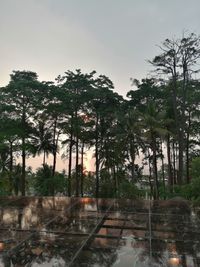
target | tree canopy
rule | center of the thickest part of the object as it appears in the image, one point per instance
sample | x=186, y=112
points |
x=158, y=121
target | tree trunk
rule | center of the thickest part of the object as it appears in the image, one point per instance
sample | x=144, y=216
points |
x=23, y=177
x=23, y=180
x=54, y=163
x=97, y=156
x=132, y=154
x=180, y=157
x=155, y=171
x=115, y=181
x=11, y=167
x=55, y=148
x=82, y=174
x=55, y=143
x=187, y=151
x=11, y=156
x=150, y=175
x=174, y=155
x=170, y=175
x=77, y=167
x=163, y=171
x=70, y=164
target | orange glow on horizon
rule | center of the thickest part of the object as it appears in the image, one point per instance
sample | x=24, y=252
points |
x=85, y=200
x=175, y=261
x=2, y=246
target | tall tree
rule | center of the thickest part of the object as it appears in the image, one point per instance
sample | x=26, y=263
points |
x=178, y=62
x=22, y=95
x=103, y=105
x=75, y=84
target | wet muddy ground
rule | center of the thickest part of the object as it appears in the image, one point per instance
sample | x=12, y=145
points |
x=63, y=231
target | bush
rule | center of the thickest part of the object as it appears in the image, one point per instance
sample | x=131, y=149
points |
x=46, y=185
x=195, y=168
x=129, y=190
x=4, y=184
x=184, y=191
x=196, y=202
x=195, y=182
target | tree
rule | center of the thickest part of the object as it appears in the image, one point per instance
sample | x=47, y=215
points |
x=131, y=134
x=192, y=123
x=47, y=185
x=22, y=97
x=148, y=101
x=75, y=84
x=177, y=62
x=152, y=123
x=43, y=139
x=103, y=106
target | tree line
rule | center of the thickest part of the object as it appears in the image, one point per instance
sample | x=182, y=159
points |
x=81, y=111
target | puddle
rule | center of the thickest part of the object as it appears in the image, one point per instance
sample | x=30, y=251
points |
x=63, y=231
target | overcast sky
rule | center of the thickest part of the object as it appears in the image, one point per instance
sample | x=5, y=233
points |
x=113, y=37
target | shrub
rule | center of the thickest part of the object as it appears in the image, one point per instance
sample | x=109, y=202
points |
x=46, y=185
x=129, y=190
x=195, y=168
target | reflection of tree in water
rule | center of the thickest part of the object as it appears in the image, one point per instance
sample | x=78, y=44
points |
x=170, y=226
x=98, y=257
x=56, y=255
x=59, y=249
x=177, y=216
x=50, y=249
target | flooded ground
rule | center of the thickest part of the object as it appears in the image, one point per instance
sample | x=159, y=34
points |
x=65, y=231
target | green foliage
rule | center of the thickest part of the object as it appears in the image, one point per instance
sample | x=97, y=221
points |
x=46, y=185
x=107, y=188
x=10, y=182
x=82, y=109
x=196, y=202
x=124, y=189
x=195, y=188
x=4, y=184
x=89, y=184
x=195, y=182
x=184, y=191
x=187, y=191
x=129, y=190
x=195, y=168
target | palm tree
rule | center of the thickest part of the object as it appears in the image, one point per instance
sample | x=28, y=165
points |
x=152, y=120
x=131, y=132
x=43, y=140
